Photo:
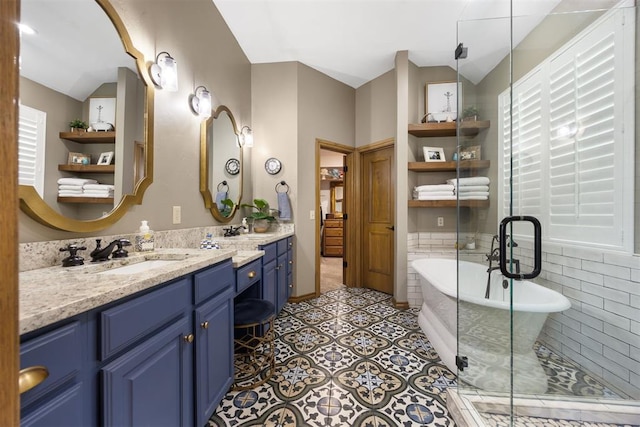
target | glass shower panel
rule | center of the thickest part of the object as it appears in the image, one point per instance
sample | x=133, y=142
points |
x=558, y=95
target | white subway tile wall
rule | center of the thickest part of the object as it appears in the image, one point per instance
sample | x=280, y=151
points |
x=601, y=330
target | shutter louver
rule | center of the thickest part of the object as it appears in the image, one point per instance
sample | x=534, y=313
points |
x=31, y=133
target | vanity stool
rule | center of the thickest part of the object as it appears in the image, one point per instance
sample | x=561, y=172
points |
x=254, y=349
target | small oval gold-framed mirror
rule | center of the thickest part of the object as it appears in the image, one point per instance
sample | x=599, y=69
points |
x=132, y=172
x=221, y=167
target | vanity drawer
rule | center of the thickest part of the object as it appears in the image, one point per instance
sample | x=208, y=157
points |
x=212, y=281
x=131, y=321
x=248, y=275
x=59, y=351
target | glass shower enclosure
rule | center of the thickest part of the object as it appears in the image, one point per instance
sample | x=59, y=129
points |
x=548, y=307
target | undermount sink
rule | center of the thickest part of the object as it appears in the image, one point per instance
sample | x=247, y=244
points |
x=140, y=267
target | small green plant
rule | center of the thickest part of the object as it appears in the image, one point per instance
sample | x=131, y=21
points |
x=77, y=123
x=227, y=207
x=470, y=111
x=262, y=210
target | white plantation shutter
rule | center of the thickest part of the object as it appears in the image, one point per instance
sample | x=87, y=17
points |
x=31, y=140
x=572, y=158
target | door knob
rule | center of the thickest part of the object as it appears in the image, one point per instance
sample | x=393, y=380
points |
x=391, y=228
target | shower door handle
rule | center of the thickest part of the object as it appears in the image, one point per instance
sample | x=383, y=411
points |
x=537, y=247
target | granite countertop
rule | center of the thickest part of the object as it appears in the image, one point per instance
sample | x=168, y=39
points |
x=50, y=294
x=251, y=241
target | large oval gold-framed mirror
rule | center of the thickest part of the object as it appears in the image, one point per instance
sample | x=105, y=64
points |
x=118, y=154
x=221, y=166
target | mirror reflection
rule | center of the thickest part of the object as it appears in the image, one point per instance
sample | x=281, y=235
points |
x=76, y=71
x=221, y=165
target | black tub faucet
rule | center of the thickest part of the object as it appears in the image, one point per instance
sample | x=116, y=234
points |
x=102, y=254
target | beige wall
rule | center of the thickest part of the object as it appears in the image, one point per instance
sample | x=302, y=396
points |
x=376, y=109
x=293, y=105
x=207, y=54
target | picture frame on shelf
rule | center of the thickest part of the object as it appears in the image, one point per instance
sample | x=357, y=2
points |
x=441, y=100
x=105, y=158
x=433, y=154
x=102, y=113
x=78, y=158
x=471, y=153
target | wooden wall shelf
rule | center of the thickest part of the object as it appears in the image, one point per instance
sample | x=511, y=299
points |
x=448, y=203
x=448, y=166
x=90, y=137
x=86, y=200
x=468, y=128
x=87, y=168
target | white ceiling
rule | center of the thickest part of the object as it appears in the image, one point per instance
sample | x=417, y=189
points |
x=355, y=41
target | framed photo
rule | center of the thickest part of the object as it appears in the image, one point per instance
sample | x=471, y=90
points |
x=441, y=101
x=470, y=153
x=105, y=158
x=78, y=159
x=433, y=154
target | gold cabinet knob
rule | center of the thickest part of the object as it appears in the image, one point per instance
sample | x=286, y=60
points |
x=251, y=274
x=30, y=377
x=290, y=244
x=188, y=338
x=205, y=325
x=290, y=262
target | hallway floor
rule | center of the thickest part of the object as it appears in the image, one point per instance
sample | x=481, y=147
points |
x=347, y=358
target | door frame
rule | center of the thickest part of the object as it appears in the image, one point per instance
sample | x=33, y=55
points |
x=9, y=339
x=349, y=206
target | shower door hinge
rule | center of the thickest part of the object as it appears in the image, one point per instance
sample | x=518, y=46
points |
x=462, y=362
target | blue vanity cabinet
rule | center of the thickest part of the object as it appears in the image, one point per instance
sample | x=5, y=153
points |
x=275, y=273
x=289, y=266
x=153, y=383
x=62, y=398
x=213, y=325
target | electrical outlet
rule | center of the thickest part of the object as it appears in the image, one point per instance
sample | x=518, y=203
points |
x=312, y=214
x=440, y=221
x=177, y=214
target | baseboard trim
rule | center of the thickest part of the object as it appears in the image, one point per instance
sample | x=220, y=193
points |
x=400, y=305
x=302, y=298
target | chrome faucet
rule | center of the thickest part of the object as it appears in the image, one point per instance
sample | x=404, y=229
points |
x=494, y=255
x=102, y=254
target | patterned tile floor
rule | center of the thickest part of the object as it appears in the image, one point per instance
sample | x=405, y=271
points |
x=347, y=358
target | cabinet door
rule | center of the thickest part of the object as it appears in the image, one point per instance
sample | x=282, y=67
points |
x=152, y=384
x=289, y=267
x=269, y=281
x=281, y=273
x=214, y=354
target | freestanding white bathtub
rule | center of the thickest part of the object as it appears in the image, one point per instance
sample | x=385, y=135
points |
x=483, y=325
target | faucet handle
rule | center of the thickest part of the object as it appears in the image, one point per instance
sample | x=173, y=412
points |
x=73, y=259
x=120, y=252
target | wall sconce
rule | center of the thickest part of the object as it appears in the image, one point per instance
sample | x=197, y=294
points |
x=245, y=139
x=164, y=72
x=201, y=102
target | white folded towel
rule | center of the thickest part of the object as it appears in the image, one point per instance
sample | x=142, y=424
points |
x=70, y=187
x=99, y=187
x=466, y=188
x=475, y=180
x=76, y=181
x=473, y=197
x=473, y=193
x=417, y=194
x=435, y=187
x=64, y=193
x=425, y=197
x=97, y=194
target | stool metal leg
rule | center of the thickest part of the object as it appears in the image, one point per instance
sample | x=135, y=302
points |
x=254, y=355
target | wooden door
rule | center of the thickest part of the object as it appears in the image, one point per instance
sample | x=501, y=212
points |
x=378, y=198
x=9, y=365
